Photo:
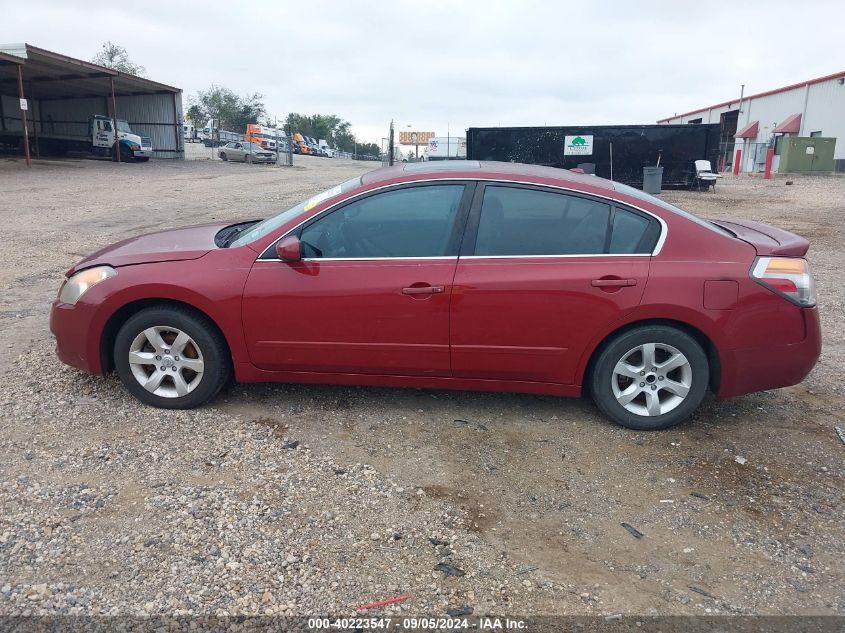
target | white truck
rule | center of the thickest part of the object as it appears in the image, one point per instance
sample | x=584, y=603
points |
x=447, y=148
x=324, y=147
x=190, y=133
x=99, y=141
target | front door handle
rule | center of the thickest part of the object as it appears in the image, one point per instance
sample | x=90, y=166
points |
x=423, y=290
x=613, y=282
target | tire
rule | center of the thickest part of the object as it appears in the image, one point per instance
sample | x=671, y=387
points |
x=624, y=388
x=125, y=155
x=223, y=156
x=202, y=363
x=142, y=159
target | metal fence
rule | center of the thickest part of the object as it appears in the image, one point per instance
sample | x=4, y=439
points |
x=230, y=147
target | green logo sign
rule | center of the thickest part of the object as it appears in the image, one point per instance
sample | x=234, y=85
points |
x=579, y=145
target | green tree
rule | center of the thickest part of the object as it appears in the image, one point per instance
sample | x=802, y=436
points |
x=368, y=149
x=331, y=128
x=230, y=111
x=113, y=56
x=195, y=115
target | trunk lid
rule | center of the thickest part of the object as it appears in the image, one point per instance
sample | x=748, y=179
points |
x=766, y=239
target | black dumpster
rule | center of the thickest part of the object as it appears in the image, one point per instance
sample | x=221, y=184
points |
x=633, y=147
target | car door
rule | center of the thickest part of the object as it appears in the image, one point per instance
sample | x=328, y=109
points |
x=371, y=294
x=542, y=271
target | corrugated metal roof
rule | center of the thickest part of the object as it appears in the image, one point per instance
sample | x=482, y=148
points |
x=51, y=75
x=749, y=131
x=790, y=125
x=800, y=84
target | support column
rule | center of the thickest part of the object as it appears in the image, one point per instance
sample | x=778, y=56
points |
x=114, y=122
x=36, y=123
x=23, y=117
x=178, y=128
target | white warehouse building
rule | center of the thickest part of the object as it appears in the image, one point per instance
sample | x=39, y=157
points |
x=814, y=108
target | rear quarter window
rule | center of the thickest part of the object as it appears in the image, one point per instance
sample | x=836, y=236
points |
x=632, y=233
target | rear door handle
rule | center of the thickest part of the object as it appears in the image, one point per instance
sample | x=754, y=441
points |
x=613, y=283
x=423, y=290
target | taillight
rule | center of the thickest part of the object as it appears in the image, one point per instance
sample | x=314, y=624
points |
x=787, y=276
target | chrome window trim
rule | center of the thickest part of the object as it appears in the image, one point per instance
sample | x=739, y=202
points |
x=554, y=256
x=366, y=259
x=664, y=228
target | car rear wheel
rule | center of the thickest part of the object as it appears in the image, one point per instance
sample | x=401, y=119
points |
x=171, y=357
x=650, y=378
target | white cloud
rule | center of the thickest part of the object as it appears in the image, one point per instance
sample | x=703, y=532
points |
x=525, y=62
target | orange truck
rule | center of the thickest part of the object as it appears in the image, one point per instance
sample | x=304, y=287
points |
x=301, y=142
x=262, y=135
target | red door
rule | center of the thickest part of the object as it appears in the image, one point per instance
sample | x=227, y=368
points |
x=372, y=292
x=544, y=272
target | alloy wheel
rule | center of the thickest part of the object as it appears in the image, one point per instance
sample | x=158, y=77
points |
x=166, y=361
x=651, y=379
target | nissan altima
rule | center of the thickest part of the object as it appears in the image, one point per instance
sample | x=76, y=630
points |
x=455, y=275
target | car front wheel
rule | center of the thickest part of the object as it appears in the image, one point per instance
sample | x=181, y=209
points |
x=171, y=357
x=649, y=378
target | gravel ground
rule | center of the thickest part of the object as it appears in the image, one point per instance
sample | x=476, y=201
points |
x=288, y=499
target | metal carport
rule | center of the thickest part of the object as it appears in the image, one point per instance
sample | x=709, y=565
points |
x=63, y=92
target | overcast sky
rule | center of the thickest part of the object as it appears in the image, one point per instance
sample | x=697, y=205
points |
x=433, y=63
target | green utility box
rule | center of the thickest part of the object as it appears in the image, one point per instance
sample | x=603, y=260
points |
x=806, y=154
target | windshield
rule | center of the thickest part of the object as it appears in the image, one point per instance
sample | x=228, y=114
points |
x=123, y=126
x=271, y=224
x=636, y=193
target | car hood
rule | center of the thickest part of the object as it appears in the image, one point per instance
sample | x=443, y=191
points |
x=190, y=242
x=766, y=239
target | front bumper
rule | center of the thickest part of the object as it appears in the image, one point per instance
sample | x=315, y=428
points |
x=143, y=153
x=761, y=368
x=77, y=340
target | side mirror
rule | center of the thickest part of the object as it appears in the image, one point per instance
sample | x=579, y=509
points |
x=289, y=249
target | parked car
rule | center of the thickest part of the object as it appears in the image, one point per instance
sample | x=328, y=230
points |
x=246, y=152
x=460, y=275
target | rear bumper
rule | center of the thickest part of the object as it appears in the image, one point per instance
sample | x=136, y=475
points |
x=774, y=366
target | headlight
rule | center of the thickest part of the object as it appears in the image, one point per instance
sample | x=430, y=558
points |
x=77, y=285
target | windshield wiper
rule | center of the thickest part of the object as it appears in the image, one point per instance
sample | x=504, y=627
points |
x=228, y=235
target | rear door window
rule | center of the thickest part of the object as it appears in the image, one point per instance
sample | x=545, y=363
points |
x=519, y=221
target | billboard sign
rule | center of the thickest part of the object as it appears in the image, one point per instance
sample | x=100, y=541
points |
x=415, y=138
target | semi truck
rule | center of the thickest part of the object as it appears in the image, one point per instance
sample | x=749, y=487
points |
x=190, y=133
x=213, y=136
x=262, y=135
x=99, y=141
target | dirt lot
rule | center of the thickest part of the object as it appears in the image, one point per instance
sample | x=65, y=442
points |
x=110, y=507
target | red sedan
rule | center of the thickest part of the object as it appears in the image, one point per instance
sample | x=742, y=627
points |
x=458, y=275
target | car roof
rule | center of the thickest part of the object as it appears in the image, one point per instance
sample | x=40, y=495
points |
x=483, y=170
